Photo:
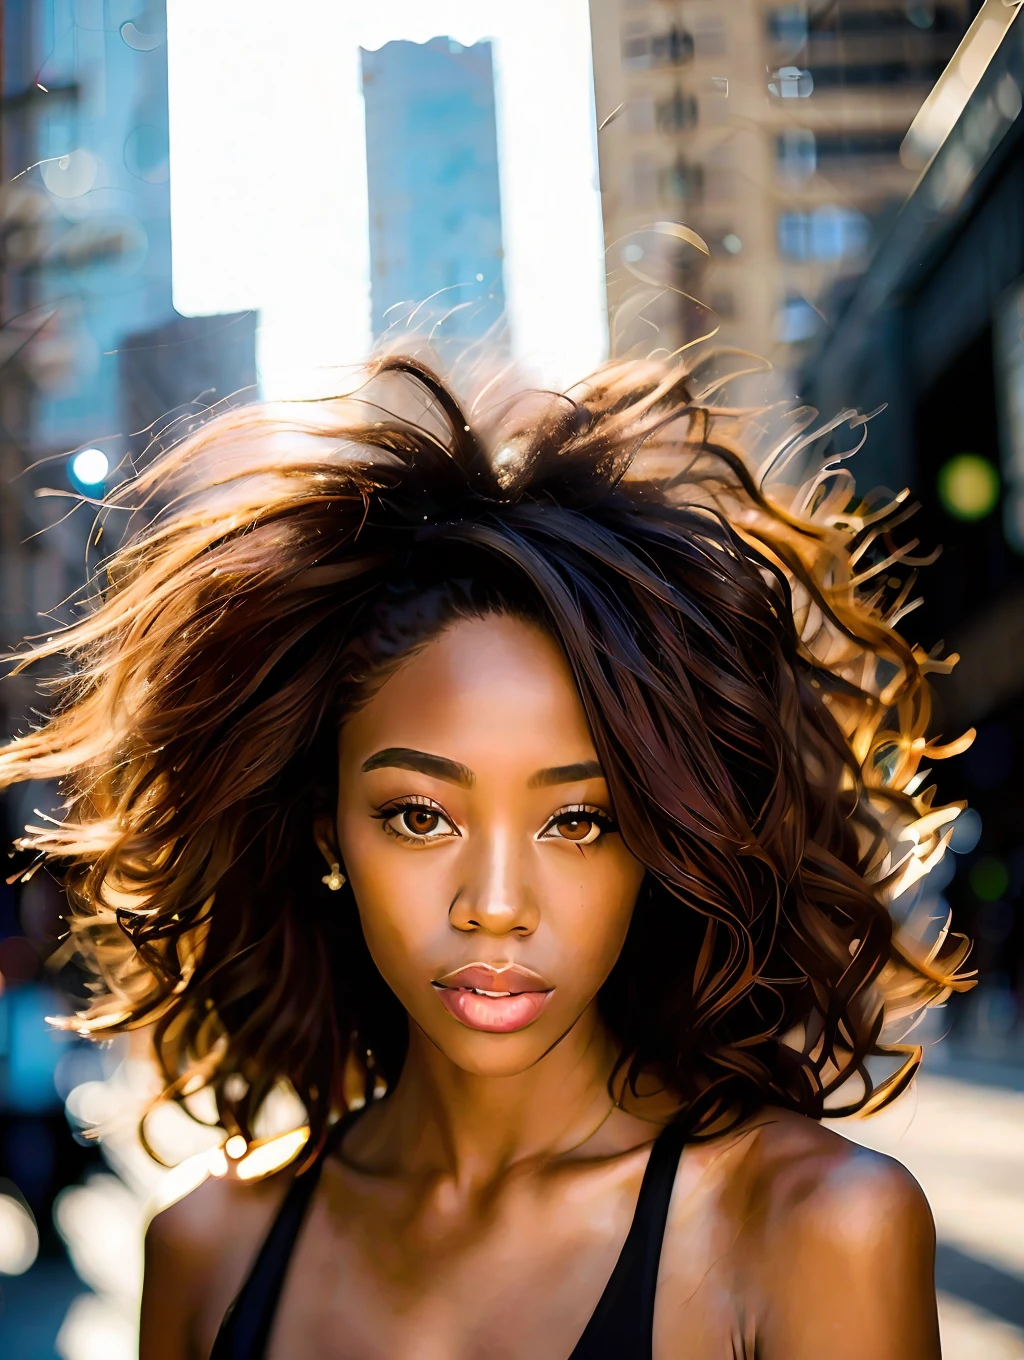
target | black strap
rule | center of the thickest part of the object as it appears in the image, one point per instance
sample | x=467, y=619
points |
x=247, y=1325
x=621, y=1327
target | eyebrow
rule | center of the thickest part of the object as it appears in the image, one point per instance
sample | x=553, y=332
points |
x=566, y=774
x=438, y=767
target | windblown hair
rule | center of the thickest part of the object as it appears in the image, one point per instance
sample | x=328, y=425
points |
x=733, y=638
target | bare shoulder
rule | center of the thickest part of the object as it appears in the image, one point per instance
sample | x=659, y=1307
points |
x=813, y=1181
x=212, y=1215
x=198, y=1252
x=829, y=1247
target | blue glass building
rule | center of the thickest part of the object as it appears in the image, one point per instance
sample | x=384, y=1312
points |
x=434, y=199
x=97, y=140
x=105, y=169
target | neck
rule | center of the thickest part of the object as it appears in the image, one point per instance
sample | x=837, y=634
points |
x=473, y=1127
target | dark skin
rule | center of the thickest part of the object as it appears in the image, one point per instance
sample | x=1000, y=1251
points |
x=478, y=1210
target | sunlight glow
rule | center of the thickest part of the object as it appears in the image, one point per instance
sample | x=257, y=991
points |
x=268, y=173
x=273, y=1155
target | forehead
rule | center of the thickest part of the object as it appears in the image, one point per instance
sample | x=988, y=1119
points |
x=490, y=691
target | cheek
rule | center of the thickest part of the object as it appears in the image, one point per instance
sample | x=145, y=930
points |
x=400, y=896
x=589, y=905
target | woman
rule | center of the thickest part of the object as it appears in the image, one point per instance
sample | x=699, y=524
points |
x=525, y=788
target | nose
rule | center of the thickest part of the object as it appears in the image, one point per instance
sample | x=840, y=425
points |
x=494, y=896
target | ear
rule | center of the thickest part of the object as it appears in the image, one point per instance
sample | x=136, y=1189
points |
x=325, y=833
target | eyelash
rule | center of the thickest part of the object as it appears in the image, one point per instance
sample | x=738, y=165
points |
x=587, y=810
x=400, y=805
x=395, y=808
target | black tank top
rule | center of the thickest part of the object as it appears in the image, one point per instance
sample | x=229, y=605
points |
x=621, y=1327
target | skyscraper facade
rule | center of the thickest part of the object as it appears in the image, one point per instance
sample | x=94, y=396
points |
x=85, y=267
x=433, y=188
x=105, y=171
x=774, y=132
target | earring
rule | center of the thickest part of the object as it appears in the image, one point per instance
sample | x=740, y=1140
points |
x=335, y=880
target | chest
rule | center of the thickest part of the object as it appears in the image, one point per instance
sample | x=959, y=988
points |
x=380, y=1274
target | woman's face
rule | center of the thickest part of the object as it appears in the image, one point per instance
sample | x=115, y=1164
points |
x=478, y=835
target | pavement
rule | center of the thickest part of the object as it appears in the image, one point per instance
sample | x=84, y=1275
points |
x=964, y=1142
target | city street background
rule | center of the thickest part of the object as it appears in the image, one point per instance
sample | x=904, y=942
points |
x=204, y=202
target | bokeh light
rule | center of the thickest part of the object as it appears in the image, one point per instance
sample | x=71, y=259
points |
x=93, y=1330
x=989, y=878
x=19, y=1239
x=72, y=175
x=968, y=486
x=90, y=467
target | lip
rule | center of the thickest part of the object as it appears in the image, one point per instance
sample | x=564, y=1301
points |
x=521, y=996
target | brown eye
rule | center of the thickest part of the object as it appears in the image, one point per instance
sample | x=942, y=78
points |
x=579, y=825
x=420, y=821
x=579, y=829
x=416, y=822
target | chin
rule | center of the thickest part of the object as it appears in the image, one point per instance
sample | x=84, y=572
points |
x=503, y=1063
x=494, y=1055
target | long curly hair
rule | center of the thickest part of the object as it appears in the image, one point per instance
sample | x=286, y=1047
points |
x=728, y=609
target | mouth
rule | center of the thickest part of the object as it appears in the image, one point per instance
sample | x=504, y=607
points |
x=495, y=998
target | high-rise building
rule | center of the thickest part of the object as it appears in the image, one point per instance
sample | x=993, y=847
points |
x=85, y=267
x=432, y=181
x=772, y=130
x=105, y=173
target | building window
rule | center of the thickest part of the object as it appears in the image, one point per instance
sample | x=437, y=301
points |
x=677, y=113
x=828, y=233
x=901, y=72
x=844, y=21
x=683, y=181
x=642, y=49
x=788, y=26
x=867, y=145
x=796, y=320
x=791, y=82
x=796, y=154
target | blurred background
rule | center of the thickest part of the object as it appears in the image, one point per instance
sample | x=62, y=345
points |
x=207, y=201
